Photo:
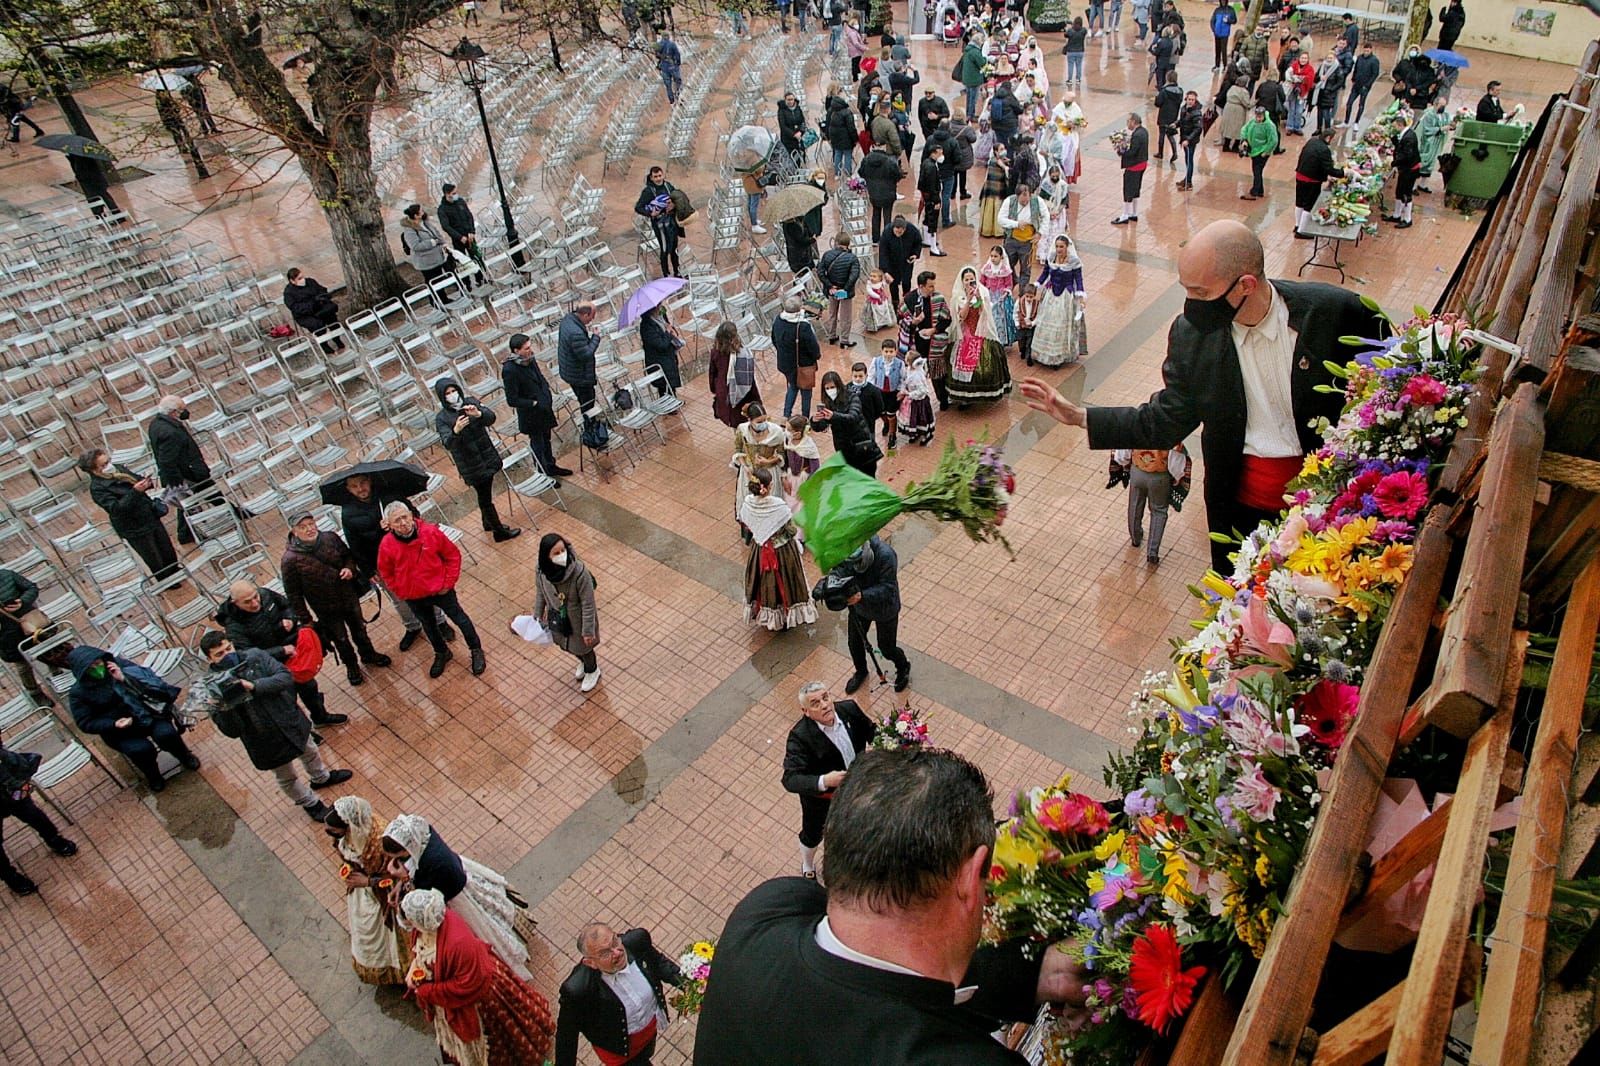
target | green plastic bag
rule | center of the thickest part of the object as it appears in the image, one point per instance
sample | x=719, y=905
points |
x=841, y=508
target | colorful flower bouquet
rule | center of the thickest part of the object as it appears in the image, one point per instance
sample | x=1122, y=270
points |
x=1119, y=140
x=841, y=508
x=695, y=964
x=1220, y=789
x=903, y=728
x=1353, y=198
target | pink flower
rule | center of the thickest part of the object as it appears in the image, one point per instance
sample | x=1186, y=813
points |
x=1328, y=709
x=1254, y=795
x=1423, y=390
x=1401, y=494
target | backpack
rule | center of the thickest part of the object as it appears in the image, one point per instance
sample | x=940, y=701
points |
x=622, y=400
x=595, y=436
x=997, y=110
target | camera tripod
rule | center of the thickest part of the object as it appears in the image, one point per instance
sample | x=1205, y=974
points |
x=872, y=654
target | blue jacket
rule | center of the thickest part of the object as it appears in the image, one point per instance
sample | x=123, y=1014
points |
x=668, y=58
x=575, y=348
x=96, y=705
x=880, y=584
x=1222, y=22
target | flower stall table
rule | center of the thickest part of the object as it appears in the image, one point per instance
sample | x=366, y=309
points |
x=1326, y=238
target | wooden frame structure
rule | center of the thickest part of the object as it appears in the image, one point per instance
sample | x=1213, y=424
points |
x=1522, y=484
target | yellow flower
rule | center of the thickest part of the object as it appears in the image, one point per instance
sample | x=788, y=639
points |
x=1214, y=584
x=1355, y=533
x=1110, y=846
x=1014, y=853
x=1176, y=872
x=1393, y=564
x=704, y=949
x=1313, y=556
x=1263, y=870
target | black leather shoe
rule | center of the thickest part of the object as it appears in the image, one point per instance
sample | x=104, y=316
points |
x=318, y=811
x=190, y=761
x=377, y=659
x=561, y=471
x=902, y=680
x=505, y=533
x=63, y=847
x=21, y=884
x=478, y=664
x=439, y=659
x=335, y=777
x=329, y=719
x=855, y=682
x=411, y=637
x=158, y=784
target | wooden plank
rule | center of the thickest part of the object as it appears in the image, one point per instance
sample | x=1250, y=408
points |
x=1410, y=855
x=1473, y=648
x=1429, y=991
x=1511, y=992
x=1279, y=1002
x=1550, y=300
x=1206, y=1027
x=1362, y=1037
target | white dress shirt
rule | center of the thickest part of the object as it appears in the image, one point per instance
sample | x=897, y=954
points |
x=1266, y=362
x=840, y=735
x=638, y=1001
x=837, y=948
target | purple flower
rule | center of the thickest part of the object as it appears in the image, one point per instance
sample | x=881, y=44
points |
x=1199, y=720
x=1139, y=804
x=1117, y=888
x=1224, y=806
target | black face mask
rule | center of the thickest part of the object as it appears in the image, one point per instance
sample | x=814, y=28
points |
x=1208, y=316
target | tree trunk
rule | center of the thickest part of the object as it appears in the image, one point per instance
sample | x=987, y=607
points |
x=50, y=71
x=1414, y=34
x=347, y=192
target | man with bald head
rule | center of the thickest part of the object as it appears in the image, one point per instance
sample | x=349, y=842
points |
x=261, y=618
x=614, y=998
x=1243, y=361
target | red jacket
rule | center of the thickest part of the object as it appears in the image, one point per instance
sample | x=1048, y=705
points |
x=1302, y=78
x=427, y=565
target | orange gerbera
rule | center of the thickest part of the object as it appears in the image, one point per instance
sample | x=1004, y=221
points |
x=1163, y=990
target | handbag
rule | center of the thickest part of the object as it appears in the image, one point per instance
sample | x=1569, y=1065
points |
x=556, y=621
x=805, y=377
x=682, y=208
x=595, y=435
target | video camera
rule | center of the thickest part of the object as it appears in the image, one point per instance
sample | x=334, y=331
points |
x=836, y=587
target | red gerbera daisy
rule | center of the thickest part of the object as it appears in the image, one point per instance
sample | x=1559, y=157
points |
x=1162, y=988
x=1401, y=494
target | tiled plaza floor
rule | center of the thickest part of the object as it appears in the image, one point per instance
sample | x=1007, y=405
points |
x=204, y=925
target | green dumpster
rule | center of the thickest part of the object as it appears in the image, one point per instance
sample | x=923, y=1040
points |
x=1486, y=151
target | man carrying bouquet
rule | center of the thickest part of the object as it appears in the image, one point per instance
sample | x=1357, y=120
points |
x=1244, y=361
x=614, y=998
x=820, y=749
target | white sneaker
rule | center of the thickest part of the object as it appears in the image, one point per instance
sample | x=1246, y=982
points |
x=578, y=676
x=758, y=229
x=590, y=680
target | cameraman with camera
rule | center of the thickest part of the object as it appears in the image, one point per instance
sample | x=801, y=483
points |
x=128, y=707
x=257, y=707
x=867, y=586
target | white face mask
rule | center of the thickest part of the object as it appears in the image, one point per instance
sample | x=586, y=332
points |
x=558, y=560
x=831, y=393
x=453, y=399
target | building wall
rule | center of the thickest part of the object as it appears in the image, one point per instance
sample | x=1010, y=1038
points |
x=1489, y=26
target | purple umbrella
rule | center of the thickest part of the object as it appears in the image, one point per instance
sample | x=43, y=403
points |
x=650, y=295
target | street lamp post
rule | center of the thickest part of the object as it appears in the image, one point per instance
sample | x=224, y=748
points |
x=469, y=59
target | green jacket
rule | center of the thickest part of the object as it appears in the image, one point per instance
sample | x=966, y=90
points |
x=972, y=62
x=1261, y=137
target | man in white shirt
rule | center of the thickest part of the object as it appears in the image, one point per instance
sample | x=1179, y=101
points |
x=1245, y=361
x=613, y=997
x=821, y=747
x=1022, y=215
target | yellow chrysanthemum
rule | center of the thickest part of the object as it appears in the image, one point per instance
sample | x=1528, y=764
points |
x=704, y=949
x=1393, y=564
x=1312, y=466
x=1355, y=533
x=1314, y=556
x=1263, y=870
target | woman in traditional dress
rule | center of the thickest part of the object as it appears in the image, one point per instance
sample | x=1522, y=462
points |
x=995, y=276
x=419, y=858
x=1056, y=193
x=775, y=585
x=996, y=187
x=378, y=946
x=917, y=417
x=1059, y=338
x=879, y=311
x=1071, y=121
x=758, y=444
x=978, y=370
x=483, y=1012
x=732, y=375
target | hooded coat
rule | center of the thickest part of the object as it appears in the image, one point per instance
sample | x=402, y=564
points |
x=423, y=246
x=841, y=127
x=132, y=513
x=476, y=457
x=269, y=724
x=97, y=705
x=572, y=588
x=311, y=579
x=881, y=171
x=528, y=394
x=879, y=577
x=259, y=629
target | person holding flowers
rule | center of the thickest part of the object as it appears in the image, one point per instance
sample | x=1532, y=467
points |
x=883, y=966
x=978, y=369
x=613, y=997
x=1244, y=362
x=378, y=945
x=821, y=747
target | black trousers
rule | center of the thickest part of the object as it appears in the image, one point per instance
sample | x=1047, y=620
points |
x=451, y=606
x=348, y=632
x=29, y=812
x=1219, y=47
x=888, y=642
x=311, y=697
x=468, y=278
x=141, y=751
x=670, y=267
x=882, y=215
x=155, y=548
x=584, y=394
x=1164, y=138
x=1258, y=167
x=813, y=819
x=20, y=118
x=543, y=451
x=486, y=508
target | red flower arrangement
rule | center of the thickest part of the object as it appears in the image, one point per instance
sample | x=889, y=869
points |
x=1424, y=390
x=1401, y=494
x=1162, y=988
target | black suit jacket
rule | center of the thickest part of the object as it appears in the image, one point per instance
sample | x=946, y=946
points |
x=178, y=458
x=776, y=998
x=809, y=753
x=588, y=1005
x=1203, y=385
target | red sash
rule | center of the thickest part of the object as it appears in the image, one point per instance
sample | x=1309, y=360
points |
x=1262, y=480
x=1137, y=167
x=1309, y=181
x=637, y=1042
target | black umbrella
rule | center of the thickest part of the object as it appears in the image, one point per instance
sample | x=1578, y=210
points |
x=72, y=144
x=391, y=479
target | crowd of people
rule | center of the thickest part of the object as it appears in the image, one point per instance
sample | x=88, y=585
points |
x=895, y=931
